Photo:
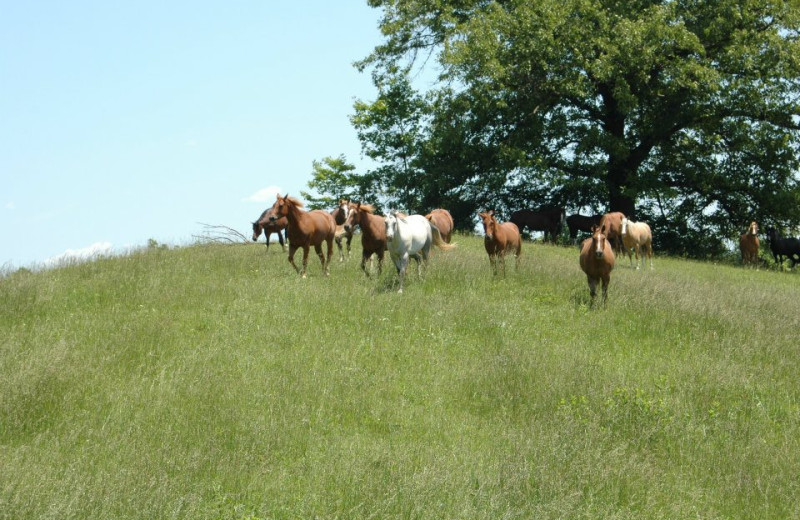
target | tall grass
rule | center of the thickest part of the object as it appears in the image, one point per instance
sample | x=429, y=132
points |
x=213, y=382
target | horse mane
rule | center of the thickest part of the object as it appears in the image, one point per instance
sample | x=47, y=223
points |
x=297, y=202
x=369, y=208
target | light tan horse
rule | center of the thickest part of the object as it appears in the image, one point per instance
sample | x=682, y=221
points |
x=637, y=236
x=597, y=261
x=500, y=239
x=749, y=244
x=305, y=229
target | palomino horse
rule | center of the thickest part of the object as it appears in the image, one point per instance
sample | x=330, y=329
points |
x=411, y=237
x=340, y=216
x=269, y=227
x=597, y=261
x=305, y=229
x=637, y=236
x=612, y=222
x=442, y=219
x=749, y=244
x=550, y=221
x=499, y=240
x=373, y=233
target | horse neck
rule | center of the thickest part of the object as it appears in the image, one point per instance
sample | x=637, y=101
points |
x=295, y=214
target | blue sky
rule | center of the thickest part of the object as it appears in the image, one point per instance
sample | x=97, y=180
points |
x=121, y=122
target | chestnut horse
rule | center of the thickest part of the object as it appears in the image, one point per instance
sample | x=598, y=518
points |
x=340, y=216
x=305, y=229
x=373, y=233
x=499, y=240
x=411, y=237
x=612, y=222
x=442, y=219
x=597, y=261
x=268, y=227
x=749, y=244
x=637, y=236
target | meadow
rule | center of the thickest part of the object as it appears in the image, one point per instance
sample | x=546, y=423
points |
x=213, y=382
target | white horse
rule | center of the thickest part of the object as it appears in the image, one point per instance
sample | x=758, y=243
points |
x=411, y=237
x=637, y=236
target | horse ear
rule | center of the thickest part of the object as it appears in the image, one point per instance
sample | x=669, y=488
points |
x=490, y=212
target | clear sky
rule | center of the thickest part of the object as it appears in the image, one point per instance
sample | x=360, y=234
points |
x=125, y=121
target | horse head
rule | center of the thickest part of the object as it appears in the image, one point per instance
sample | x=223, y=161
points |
x=624, y=230
x=351, y=220
x=599, y=241
x=256, y=231
x=753, y=228
x=488, y=221
x=391, y=224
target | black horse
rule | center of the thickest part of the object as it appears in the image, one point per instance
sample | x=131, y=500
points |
x=578, y=222
x=783, y=247
x=550, y=221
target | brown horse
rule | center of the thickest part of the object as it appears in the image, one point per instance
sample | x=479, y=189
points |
x=340, y=216
x=269, y=227
x=749, y=244
x=373, y=233
x=305, y=229
x=597, y=261
x=499, y=240
x=612, y=222
x=442, y=219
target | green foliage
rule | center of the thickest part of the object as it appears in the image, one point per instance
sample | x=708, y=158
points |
x=335, y=179
x=685, y=110
x=213, y=382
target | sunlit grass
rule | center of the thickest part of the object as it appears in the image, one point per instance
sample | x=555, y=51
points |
x=213, y=382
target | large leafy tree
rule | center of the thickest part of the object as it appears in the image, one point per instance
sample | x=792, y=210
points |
x=677, y=110
x=333, y=179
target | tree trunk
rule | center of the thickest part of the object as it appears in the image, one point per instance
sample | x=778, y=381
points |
x=617, y=178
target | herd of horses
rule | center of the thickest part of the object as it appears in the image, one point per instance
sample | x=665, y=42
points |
x=408, y=237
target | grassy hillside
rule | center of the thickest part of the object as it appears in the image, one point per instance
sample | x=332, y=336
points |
x=213, y=382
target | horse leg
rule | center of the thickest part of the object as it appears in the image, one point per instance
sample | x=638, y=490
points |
x=592, y=289
x=493, y=263
x=280, y=239
x=401, y=269
x=292, y=251
x=639, y=253
x=364, y=257
x=605, y=279
x=305, y=260
x=339, y=246
x=502, y=259
x=327, y=263
x=349, y=239
x=318, y=250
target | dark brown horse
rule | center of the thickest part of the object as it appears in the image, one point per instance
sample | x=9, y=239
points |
x=269, y=227
x=500, y=239
x=550, y=221
x=373, y=233
x=305, y=229
x=442, y=219
x=583, y=223
x=340, y=216
x=597, y=261
x=612, y=223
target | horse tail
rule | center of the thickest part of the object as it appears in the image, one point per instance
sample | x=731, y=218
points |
x=438, y=241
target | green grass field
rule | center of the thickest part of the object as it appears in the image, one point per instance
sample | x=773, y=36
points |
x=213, y=382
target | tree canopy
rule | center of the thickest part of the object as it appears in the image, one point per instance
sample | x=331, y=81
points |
x=685, y=113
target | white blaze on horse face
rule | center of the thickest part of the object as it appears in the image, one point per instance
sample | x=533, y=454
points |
x=624, y=226
x=599, y=242
x=390, y=220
